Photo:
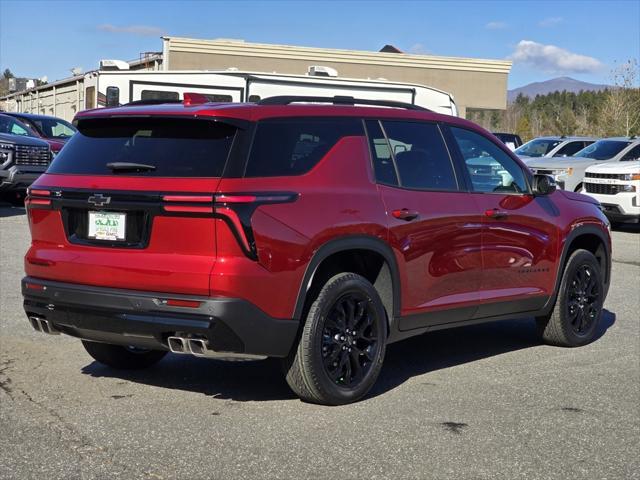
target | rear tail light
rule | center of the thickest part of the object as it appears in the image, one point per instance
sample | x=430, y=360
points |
x=176, y=302
x=236, y=209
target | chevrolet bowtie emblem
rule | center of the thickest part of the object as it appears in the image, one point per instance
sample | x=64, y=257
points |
x=99, y=200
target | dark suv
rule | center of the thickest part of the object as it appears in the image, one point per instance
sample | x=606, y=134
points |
x=311, y=232
x=23, y=156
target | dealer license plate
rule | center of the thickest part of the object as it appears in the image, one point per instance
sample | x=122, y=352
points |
x=107, y=225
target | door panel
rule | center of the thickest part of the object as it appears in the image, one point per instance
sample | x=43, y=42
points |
x=519, y=233
x=438, y=251
x=434, y=228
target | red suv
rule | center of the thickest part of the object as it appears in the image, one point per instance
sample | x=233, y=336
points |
x=317, y=233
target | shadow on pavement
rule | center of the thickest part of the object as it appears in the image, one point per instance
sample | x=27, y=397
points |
x=6, y=210
x=626, y=227
x=263, y=380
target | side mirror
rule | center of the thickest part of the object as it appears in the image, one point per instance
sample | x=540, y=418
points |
x=543, y=185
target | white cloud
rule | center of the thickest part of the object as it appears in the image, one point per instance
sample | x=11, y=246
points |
x=140, y=30
x=553, y=59
x=495, y=26
x=550, y=22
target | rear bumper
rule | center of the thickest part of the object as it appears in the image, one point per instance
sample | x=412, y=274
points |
x=14, y=178
x=140, y=319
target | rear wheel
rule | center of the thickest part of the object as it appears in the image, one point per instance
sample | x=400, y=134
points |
x=123, y=358
x=340, y=352
x=576, y=314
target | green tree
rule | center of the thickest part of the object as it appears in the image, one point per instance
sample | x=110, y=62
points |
x=8, y=74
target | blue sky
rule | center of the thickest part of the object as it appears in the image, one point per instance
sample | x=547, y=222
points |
x=581, y=39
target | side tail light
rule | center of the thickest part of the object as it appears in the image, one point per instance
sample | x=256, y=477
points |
x=236, y=209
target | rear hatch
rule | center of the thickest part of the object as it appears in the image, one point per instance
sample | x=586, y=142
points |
x=128, y=204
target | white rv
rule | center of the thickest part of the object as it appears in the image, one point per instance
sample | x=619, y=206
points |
x=118, y=87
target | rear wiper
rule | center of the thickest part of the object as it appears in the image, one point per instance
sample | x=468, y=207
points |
x=127, y=166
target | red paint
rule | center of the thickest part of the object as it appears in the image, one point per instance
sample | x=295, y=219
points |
x=449, y=252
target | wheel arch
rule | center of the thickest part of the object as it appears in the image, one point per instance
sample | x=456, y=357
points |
x=359, y=251
x=587, y=237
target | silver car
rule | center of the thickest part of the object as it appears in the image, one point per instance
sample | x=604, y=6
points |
x=547, y=147
x=569, y=172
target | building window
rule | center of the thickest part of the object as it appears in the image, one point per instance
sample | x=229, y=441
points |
x=159, y=95
x=90, y=97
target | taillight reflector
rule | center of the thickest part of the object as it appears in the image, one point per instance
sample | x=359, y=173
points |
x=35, y=286
x=175, y=302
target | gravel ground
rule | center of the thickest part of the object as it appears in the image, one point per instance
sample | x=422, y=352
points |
x=479, y=402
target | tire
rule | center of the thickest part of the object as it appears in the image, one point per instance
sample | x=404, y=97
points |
x=122, y=358
x=331, y=365
x=573, y=322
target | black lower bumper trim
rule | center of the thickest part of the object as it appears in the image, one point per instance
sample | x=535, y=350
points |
x=141, y=319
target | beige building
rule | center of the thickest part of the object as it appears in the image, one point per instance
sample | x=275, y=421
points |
x=474, y=83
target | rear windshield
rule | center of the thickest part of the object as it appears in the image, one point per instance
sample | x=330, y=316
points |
x=175, y=147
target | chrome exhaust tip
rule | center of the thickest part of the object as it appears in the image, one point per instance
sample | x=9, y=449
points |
x=44, y=326
x=178, y=344
x=197, y=347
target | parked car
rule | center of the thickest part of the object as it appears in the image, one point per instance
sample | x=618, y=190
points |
x=511, y=140
x=617, y=187
x=548, y=147
x=53, y=130
x=311, y=232
x=23, y=156
x=569, y=172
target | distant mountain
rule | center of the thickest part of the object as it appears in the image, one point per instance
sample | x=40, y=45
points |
x=555, y=84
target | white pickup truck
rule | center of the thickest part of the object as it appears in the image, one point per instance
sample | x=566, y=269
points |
x=617, y=187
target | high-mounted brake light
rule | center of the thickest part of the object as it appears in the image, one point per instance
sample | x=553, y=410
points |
x=191, y=98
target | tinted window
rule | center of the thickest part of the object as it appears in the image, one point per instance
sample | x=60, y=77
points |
x=177, y=148
x=537, y=148
x=633, y=154
x=381, y=154
x=218, y=98
x=603, y=149
x=490, y=168
x=14, y=127
x=569, y=149
x=420, y=154
x=53, y=127
x=292, y=146
x=158, y=95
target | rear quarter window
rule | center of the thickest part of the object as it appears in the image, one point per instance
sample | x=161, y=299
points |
x=175, y=147
x=293, y=146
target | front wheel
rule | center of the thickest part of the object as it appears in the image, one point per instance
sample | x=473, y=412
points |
x=342, y=347
x=122, y=358
x=576, y=314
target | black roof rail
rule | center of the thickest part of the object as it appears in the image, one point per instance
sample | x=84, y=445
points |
x=338, y=100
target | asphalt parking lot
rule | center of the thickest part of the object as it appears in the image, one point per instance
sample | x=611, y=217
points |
x=480, y=402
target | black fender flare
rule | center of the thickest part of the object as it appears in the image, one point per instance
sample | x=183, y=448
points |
x=575, y=233
x=351, y=242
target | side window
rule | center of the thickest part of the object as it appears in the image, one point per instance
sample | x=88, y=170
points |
x=218, y=98
x=489, y=167
x=633, y=154
x=293, y=146
x=569, y=149
x=18, y=130
x=421, y=157
x=383, y=166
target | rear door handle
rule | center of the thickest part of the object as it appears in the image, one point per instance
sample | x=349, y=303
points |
x=405, y=214
x=495, y=213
